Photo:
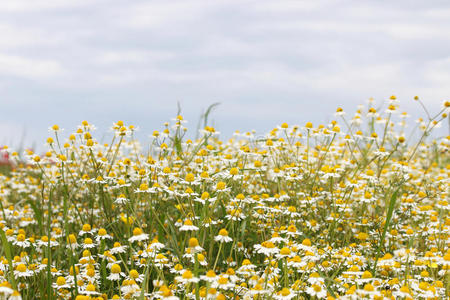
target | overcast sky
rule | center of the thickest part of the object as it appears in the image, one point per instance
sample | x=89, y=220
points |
x=65, y=61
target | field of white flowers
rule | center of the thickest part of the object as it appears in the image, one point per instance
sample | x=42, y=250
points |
x=354, y=209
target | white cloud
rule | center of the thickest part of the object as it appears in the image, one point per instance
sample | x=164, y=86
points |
x=28, y=68
x=244, y=53
x=438, y=72
x=288, y=6
x=40, y=5
x=13, y=37
x=154, y=15
x=132, y=56
x=417, y=32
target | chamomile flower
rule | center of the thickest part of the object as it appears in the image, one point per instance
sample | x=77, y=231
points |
x=87, y=229
x=188, y=226
x=285, y=294
x=187, y=277
x=267, y=248
x=88, y=244
x=122, y=200
x=118, y=248
x=210, y=276
x=138, y=235
x=223, y=283
x=223, y=237
x=89, y=290
x=21, y=270
x=21, y=241
x=317, y=290
x=61, y=283
x=102, y=234
x=116, y=273
x=134, y=275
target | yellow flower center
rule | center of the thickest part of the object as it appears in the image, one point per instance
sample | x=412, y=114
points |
x=306, y=242
x=134, y=274
x=193, y=242
x=115, y=269
x=285, y=251
x=187, y=274
x=211, y=273
x=60, y=280
x=21, y=268
x=223, y=280
x=137, y=231
x=189, y=177
x=285, y=292
x=221, y=185
x=223, y=232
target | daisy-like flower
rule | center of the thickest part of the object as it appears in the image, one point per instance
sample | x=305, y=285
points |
x=267, y=248
x=187, y=277
x=205, y=197
x=102, y=234
x=210, y=276
x=121, y=183
x=87, y=258
x=55, y=128
x=91, y=275
x=285, y=294
x=365, y=278
x=118, y=248
x=276, y=238
x=316, y=290
x=221, y=187
x=188, y=226
x=246, y=268
x=223, y=283
x=190, y=179
x=122, y=200
x=60, y=283
x=165, y=293
x=130, y=289
x=296, y=262
x=90, y=290
x=257, y=289
x=306, y=245
x=207, y=222
x=6, y=288
x=194, y=245
x=134, y=275
x=404, y=293
x=284, y=252
x=21, y=241
x=22, y=271
x=235, y=214
x=314, y=278
x=368, y=290
x=138, y=235
x=116, y=273
x=223, y=237
x=156, y=245
x=201, y=260
x=161, y=260
x=88, y=243
x=87, y=229
x=209, y=131
x=15, y=296
x=43, y=242
x=143, y=188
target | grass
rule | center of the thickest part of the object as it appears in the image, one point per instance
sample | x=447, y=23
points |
x=351, y=209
